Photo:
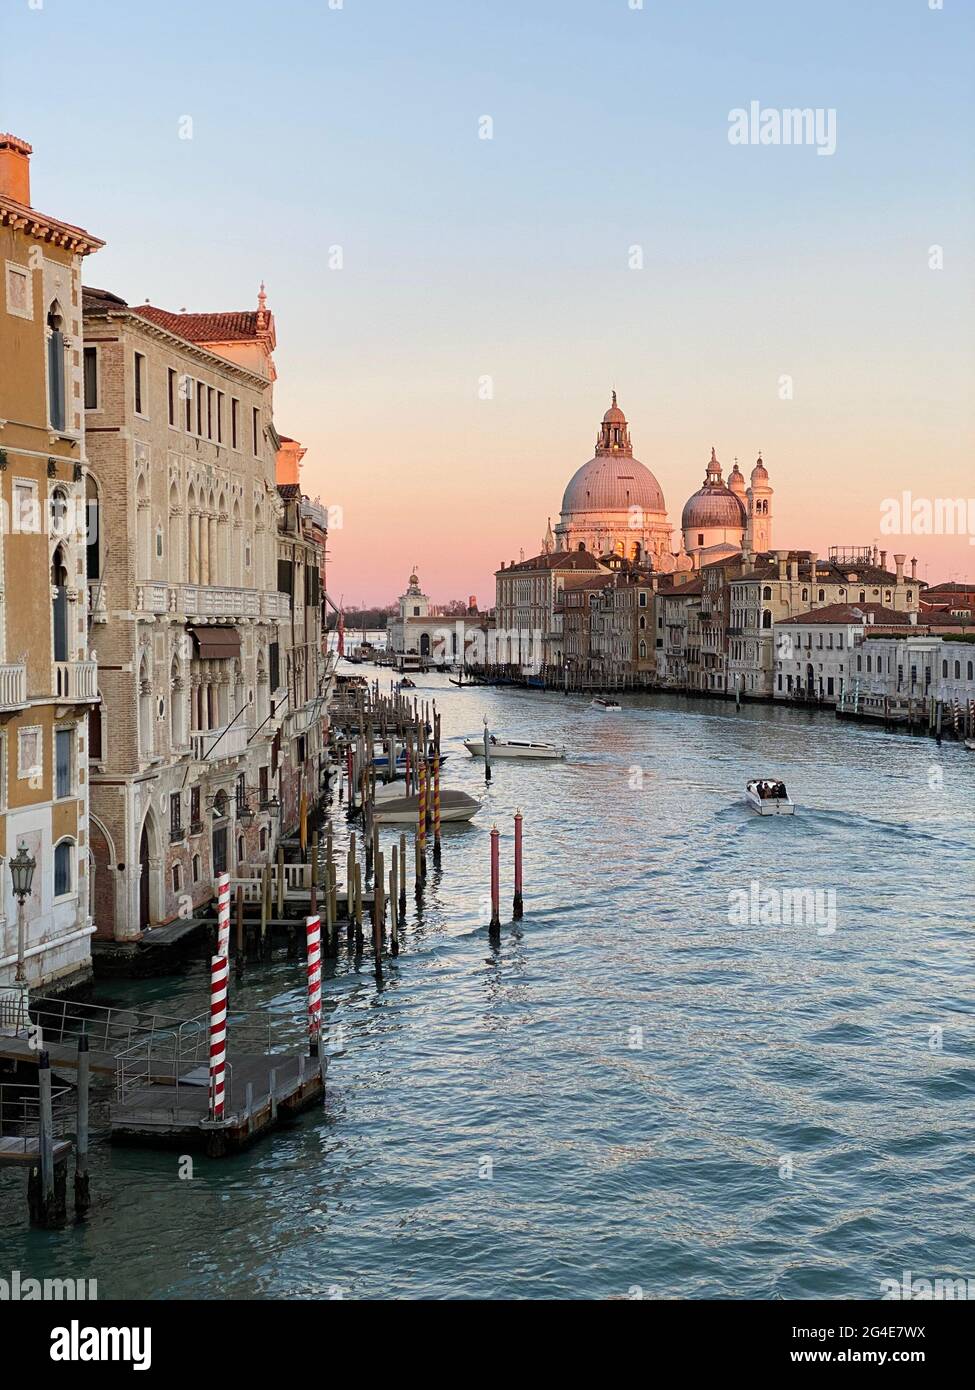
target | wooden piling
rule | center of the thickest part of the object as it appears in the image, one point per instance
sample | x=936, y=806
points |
x=82, y=1186
x=265, y=907
x=358, y=907
x=495, y=880
x=402, y=877
x=517, y=907
x=393, y=902
x=239, y=961
x=280, y=882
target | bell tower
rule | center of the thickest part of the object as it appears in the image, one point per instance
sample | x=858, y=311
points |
x=758, y=534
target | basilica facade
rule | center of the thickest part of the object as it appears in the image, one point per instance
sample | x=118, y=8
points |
x=614, y=505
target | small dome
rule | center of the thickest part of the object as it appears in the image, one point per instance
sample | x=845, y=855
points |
x=736, y=479
x=713, y=505
x=759, y=471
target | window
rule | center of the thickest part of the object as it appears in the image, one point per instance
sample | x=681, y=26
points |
x=201, y=403
x=219, y=417
x=172, y=387
x=175, y=816
x=700, y=538
x=55, y=368
x=262, y=786
x=141, y=399
x=19, y=295
x=286, y=578
x=235, y=422
x=241, y=849
x=30, y=750
x=186, y=390
x=643, y=599
x=63, y=867
x=240, y=793
x=91, y=378
x=256, y=427
x=95, y=734
x=177, y=878
x=211, y=395
x=274, y=665
x=63, y=750
x=195, y=818
x=26, y=520
x=197, y=868
x=767, y=591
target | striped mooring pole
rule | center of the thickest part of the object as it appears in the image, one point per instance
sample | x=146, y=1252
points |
x=436, y=800
x=219, y=974
x=421, y=810
x=495, y=880
x=313, y=930
x=223, y=915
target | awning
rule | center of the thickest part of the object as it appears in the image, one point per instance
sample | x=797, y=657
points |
x=216, y=643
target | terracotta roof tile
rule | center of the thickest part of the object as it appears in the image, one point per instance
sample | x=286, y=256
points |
x=235, y=326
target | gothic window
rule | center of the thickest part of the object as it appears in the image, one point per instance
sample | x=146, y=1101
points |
x=55, y=367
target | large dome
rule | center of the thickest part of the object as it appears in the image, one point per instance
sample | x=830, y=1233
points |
x=612, y=483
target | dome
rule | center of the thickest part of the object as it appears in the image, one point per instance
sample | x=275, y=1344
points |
x=612, y=483
x=713, y=505
x=759, y=471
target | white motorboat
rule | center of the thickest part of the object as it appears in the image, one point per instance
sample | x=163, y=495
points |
x=403, y=810
x=970, y=744
x=513, y=748
x=607, y=706
x=768, y=797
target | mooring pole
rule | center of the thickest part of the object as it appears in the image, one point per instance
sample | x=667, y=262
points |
x=394, y=902
x=358, y=907
x=518, y=904
x=402, y=877
x=495, y=881
x=82, y=1190
x=239, y=963
x=280, y=882
x=487, y=751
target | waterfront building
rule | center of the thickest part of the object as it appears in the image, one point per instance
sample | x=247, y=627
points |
x=818, y=655
x=47, y=678
x=191, y=611
x=530, y=610
x=623, y=641
x=419, y=629
x=297, y=724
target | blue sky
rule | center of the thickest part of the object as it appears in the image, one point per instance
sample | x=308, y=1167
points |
x=357, y=127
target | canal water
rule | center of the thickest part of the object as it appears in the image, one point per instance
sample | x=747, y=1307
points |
x=651, y=1083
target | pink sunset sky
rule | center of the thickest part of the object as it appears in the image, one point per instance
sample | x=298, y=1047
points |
x=407, y=258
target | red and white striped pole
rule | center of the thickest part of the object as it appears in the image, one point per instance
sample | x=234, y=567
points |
x=495, y=880
x=223, y=915
x=518, y=906
x=219, y=974
x=313, y=929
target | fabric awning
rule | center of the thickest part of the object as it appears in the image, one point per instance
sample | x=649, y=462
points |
x=216, y=643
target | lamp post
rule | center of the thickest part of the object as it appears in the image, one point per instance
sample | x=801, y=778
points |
x=22, y=867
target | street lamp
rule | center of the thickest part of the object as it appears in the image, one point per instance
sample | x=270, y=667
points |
x=22, y=867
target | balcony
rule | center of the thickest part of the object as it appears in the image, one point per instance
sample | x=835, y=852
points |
x=13, y=684
x=76, y=681
x=218, y=601
x=152, y=598
x=275, y=605
x=215, y=745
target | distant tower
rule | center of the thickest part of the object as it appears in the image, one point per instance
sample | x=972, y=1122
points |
x=548, y=544
x=414, y=603
x=758, y=536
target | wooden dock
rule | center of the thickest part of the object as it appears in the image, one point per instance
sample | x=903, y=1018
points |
x=263, y=1092
x=25, y=1153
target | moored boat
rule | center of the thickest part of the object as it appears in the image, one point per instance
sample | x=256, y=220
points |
x=403, y=810
x=768, y=797
x=513, y=748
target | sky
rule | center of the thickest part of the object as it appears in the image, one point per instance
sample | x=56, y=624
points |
x=453, y=311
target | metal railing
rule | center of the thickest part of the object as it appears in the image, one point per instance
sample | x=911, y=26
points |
x=169, y=1059
x=108, y=1028
x=20, y=1113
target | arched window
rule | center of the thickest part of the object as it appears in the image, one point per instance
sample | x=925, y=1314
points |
x=944, y=668
x=767, y=591
x=145, y=707
x=59, y=600
x=55, y=367
x=192, y=538
x=766, y=619
x=93, y=526
x=822, y=595
x=63, y=868
x=643, y=650
x=241, y=849
x=957, y=670
x=971, y=670
x=197, y=868
x=175, y=559
x=805, y=595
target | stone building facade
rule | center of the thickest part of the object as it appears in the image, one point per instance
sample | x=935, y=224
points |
x=47, y=681
x=191, y=611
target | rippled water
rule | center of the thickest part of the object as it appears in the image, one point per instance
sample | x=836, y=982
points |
x=638, y=1071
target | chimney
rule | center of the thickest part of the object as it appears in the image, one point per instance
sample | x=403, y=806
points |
x=875, y=554
x=813, y=562
x=899, y=562
x=913, y=566
x=883, y=559
x=783, y=557
x=15, y=169
x=502, y=564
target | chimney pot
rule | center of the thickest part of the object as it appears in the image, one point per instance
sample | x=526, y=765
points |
x=15, y=168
